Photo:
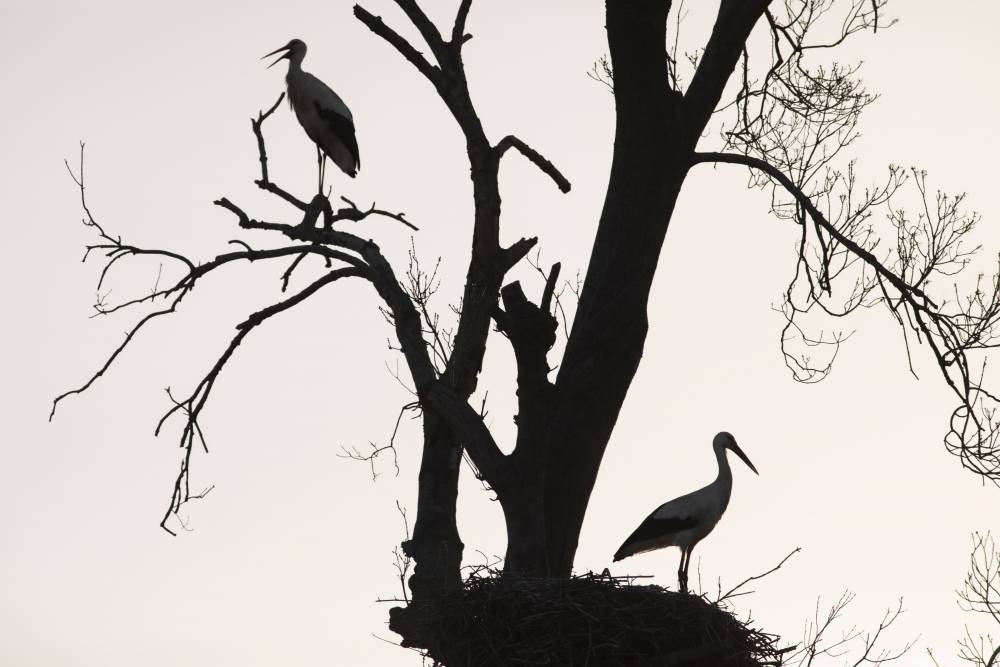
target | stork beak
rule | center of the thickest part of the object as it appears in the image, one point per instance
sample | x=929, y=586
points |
x=739, y=452
x=285, y=48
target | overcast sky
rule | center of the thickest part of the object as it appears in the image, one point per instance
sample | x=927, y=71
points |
x=292, y=548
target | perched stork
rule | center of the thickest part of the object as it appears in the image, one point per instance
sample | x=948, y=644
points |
x=685, y=521
x=321, y=112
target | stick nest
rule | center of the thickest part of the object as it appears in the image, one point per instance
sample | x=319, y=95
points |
x=589, y=620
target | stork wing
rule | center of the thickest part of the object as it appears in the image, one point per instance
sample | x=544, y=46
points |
x=654, y=533
x=343, y=127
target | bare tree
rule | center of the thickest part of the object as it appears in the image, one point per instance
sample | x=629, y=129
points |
x=789, y=117
x=980, y=594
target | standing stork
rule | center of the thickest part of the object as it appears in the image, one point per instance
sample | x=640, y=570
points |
x=321, y=113
x=685, y=521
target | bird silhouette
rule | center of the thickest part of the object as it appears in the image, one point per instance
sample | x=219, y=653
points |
x=321, y=113
x=685, y=521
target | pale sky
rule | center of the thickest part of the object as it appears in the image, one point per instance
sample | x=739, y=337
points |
x=291, y=549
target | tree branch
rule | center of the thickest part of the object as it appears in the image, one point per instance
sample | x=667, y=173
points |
x=264, y=182
x=255, y=124
x=735, y=20
x=179, y=290
x=115, y=250
x=907, y=291
x=362, y=258
x=426, y=27
x=458, y=36
x=378, y=26
x=356, y=214
x=949, y=336
x=192, y=406
x=510, y=141
x=532, y=333
x=468, y=428
x=980, y=594
x=509, y=257
x=550, y=287
x=737, y=590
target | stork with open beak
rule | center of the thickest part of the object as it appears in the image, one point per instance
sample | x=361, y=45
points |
x=321, y=113
x=685, y=521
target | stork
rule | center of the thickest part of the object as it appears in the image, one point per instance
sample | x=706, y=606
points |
x=685, y=521
x=321, y=113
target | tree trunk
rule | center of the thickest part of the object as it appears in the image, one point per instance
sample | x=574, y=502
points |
x=544, y=486
x=657, y=131
x=436, y=547
x=609, y=330
x=526, y=539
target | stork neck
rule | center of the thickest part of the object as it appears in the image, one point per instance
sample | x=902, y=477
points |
x=724, y=482
x=295, y=63
x=725, y=472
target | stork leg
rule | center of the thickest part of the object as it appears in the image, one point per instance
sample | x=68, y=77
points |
x=682, y=570
x=320, y=160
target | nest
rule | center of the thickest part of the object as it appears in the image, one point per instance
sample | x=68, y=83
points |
x=587, y=620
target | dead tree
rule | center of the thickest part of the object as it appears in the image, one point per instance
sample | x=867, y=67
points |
x=788, y=119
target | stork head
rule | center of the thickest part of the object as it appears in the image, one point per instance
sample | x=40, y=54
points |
x=295, y=51
x=725, y=440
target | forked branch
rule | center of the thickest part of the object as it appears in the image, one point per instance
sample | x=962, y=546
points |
x=191, y=406
x=444, y=68
x=973, y=324
x=822, y=639
x=356, y=256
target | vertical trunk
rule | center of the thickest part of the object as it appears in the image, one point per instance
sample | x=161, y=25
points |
x=482, y=281
x=657, y=131
x=544, y=486
x=436, y=547
x=526, y=552
x=606, y=355
x=605, y=345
